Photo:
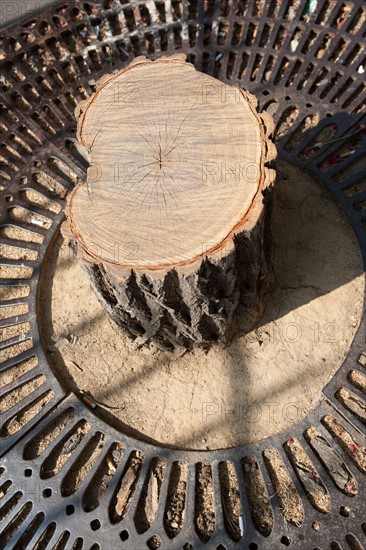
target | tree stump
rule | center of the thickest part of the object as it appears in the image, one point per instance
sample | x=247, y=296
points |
x=173, y=223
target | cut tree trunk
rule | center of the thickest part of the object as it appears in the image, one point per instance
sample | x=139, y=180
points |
x=173, y=225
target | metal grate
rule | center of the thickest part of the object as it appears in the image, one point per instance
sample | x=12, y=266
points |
x=69, y=480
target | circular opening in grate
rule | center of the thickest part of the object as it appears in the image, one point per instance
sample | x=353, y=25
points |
x=95, y=524
x=263, y=381
x=124, y=535
x=70, y=509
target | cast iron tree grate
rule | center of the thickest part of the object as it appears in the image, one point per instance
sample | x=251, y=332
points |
x=68, y=479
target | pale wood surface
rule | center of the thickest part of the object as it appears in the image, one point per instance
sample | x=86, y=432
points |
x=177, y=159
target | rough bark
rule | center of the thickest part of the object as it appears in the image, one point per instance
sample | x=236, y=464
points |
x=175, y=309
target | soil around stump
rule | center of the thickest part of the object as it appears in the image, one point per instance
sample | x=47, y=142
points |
x=263, y=382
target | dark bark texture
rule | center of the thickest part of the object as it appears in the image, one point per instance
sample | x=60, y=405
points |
x=175, y=309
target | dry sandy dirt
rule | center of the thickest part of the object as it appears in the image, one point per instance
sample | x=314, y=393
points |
x=262, y=382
